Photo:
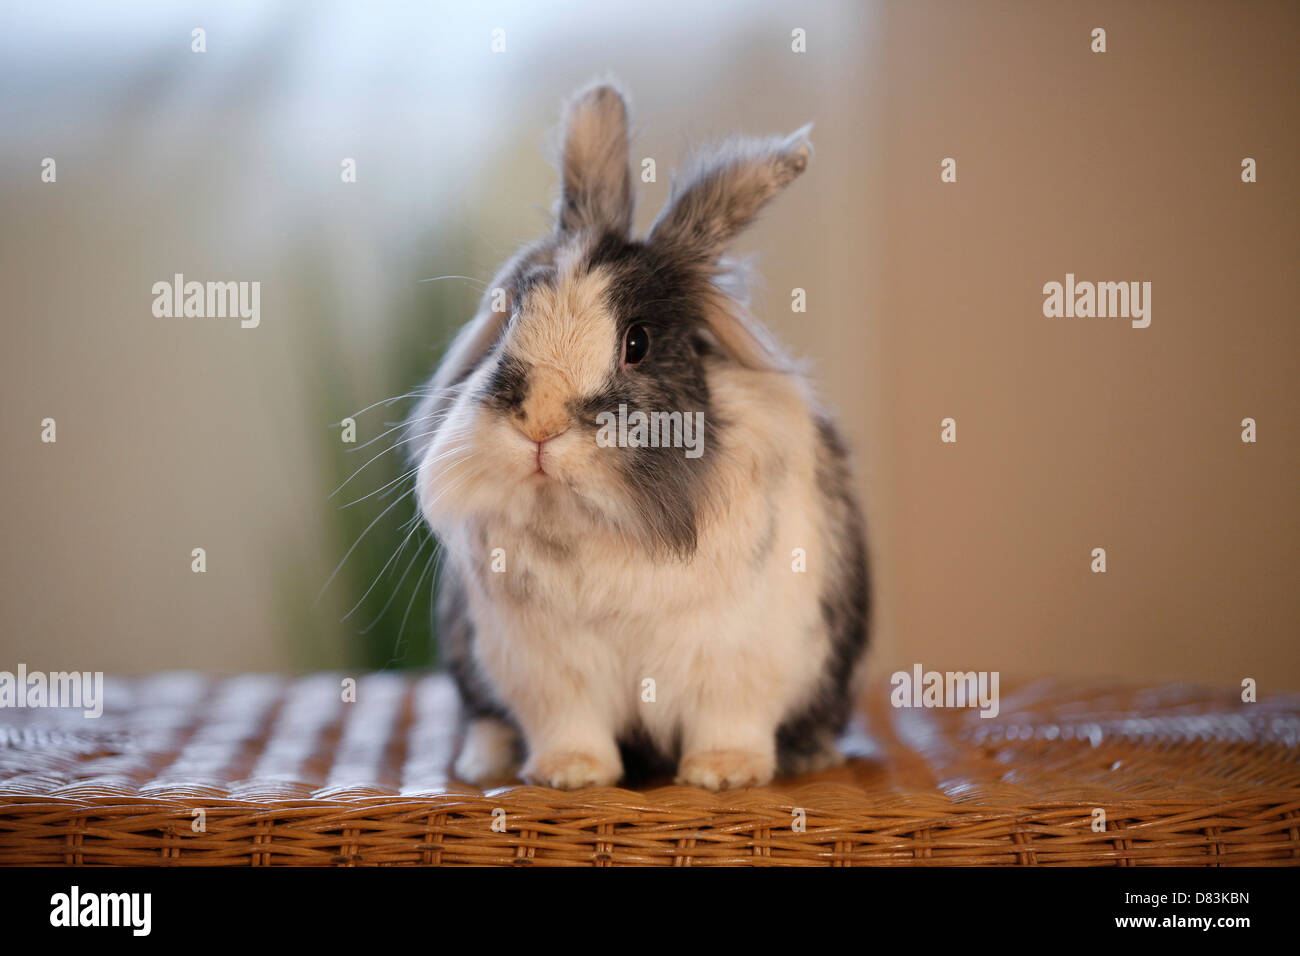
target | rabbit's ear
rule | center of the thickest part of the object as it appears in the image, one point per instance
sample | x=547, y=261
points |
x=596, y=187
x=723, y=190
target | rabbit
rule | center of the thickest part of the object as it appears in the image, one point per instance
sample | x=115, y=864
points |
x=608, y=605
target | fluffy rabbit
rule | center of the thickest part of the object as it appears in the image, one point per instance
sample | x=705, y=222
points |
x=606, y=603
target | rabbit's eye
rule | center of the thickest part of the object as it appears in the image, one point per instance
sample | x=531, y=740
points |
x=635, y=345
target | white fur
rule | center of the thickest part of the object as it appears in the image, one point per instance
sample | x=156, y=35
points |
x=584, y=615
x=587, y=612
x=488, y=752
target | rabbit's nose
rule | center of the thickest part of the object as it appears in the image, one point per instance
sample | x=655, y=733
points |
x=541, y=432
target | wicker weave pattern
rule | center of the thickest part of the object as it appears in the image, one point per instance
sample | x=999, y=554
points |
x=285, y=773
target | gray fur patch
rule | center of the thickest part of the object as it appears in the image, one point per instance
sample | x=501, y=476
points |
x=845, y=610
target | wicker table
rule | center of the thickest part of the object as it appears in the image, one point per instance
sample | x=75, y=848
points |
x=187, y=770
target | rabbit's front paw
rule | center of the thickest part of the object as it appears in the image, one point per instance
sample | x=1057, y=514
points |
x=571, y=769
x=725, y=769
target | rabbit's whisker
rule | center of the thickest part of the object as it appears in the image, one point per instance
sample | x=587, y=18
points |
x=342, y=562
x=377, y=457
x=397, y=587
x=397, y=480
x=480, y=282
x=415, y=526
x=421, y=390
x=394, y=427
x=415, y=591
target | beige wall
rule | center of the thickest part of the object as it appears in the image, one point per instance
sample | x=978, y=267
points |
x=1083, y=433
x=924, y=303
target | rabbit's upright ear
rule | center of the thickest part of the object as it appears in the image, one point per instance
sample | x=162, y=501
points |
x=723, y=190
x=596, y=187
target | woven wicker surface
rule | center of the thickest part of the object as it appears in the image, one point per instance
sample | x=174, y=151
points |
x=285, y=773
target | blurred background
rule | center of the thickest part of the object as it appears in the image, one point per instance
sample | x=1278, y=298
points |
x=924, y=302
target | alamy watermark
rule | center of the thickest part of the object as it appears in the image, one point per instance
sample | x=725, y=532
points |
x=133, y=911
x=83, y=689
x=919, y=688
x=623, y=429
x=1102, y=300
x=208, y=300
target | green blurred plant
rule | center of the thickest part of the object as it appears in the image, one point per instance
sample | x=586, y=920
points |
x=379, y=603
